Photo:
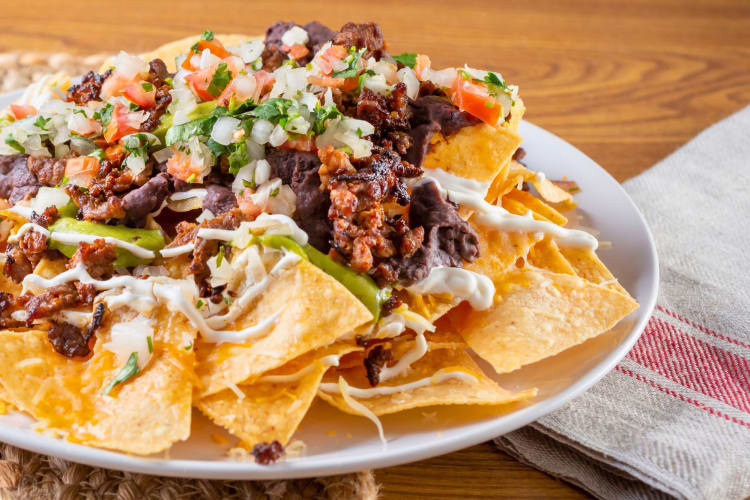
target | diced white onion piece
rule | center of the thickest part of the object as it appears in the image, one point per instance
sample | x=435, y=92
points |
x=244, y=174
x=47, y=197
x=224, y=129
x=220, y=274
x=261, y=131
x=131, y=337
x=208, y=59
x=262, y=171
x=163, y=155
x=353, y=125
x=443, y=78
x=244, y=85
x=309, y=100
x=409, y=78
x=248, y=51
x=130, y=66
x=377, y=83
x=384, y=68
x=298, y=125
x=255, y=150
x=135, y=164
x=278, y=136
x=295, y=36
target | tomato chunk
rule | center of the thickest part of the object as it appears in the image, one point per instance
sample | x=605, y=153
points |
x=82, y=170
x=137, y=94
x=475, y=99
x=119, y=125
x=22, y=110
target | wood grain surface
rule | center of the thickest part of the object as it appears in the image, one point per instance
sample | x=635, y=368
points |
x=626, y=81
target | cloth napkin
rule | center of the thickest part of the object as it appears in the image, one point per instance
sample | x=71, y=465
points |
x=673, y=418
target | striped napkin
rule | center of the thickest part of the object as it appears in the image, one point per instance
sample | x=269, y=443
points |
x=673, y=418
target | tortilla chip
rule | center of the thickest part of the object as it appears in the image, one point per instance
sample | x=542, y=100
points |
x=538, y=314
x=478, y=152
x=546, y=255
x=502, y=186
x=499, y=251
x=143, y=415
x=516, y=113
x=550, y=192
x=315, y=310
x=448, y=392
x=519, y=202
x=271, y=410
x=588, y=266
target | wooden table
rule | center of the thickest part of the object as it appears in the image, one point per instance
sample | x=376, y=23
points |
x=626, y=81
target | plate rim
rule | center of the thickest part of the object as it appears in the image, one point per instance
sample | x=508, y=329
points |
x=323, y=466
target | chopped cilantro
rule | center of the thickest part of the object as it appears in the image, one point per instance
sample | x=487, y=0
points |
x=128, y=371
x=41, y=122
x=79, y=111
x=168, y=80
x=10, y=141
x=364, y=76
x=147, y=86
x=273, y=109
x=104, y=114
x=275, y=192
x=495, y=85
x=190, y=179
x=216, y=148
x=220, y=80
x=359, y=132
x=352, y=61
x=98, y=153
x=322, y=115
x=63, y=182
x=407, y=59
x=189, y=346
x=133, y=106
x=227, y=301
x=150, y=344
x=251, y=183
x=207, y=35
x=199, y=304
x=220, y=257
x=238, y=157
x=465, y=74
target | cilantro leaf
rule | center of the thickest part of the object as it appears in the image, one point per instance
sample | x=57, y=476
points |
x=10, y=141
x=181, y=133
x=238, y=157
x=104, y=114
x=207, y=35
x=220, y=80
x=407, y=59
x=364, y=76
x=150, y=344
x=274, y=108
x=128, y=371
x=147, y=86
x=275, y=192
x=494, y=82
x=352, y=60
x=41, y=122
x=216, y=148
x=322, y=115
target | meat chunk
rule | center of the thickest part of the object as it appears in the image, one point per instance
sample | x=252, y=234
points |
x=89, y=89
x=48, y=171
x=219, y=199
x=157, y=73
x=47, y=218
x=16, y=181
x=96, y=208
x=53, y=299
x=375, y=361
x=98, y=258
x=7, y=307
x=16, y=265
x=448, y=238
x=299, y=169
x=267, y=453
x=68, y=340
x=143, y=200
x=430, y=114
x=319, y=34
x=205, y=249
x=366, y=35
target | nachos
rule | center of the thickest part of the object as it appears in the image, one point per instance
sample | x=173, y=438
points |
x=242, y=226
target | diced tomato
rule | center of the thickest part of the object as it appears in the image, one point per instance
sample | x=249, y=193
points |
x=119, y=125
x=423, y=63
x=80, y=171
x=181, y=166
x=296, y=51
x=115, y=153
x=241, y=89
x=300, y=143
x=325, y=60
x=264, y=81
x=136, y=94
x=200, y=80
x=22, y=110
x=326, y=81
x=214, y=46
x=476, y=100
x=247, y=206
x=114, y=84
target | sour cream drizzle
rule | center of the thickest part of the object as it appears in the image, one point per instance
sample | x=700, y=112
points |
x=169, y=291
x=462, y=283
x=76, y=238
x=494, y=216
x=437, y=378
x=168, y=253
x=272, y=224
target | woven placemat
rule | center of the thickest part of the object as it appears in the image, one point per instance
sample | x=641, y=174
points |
x=26, y=475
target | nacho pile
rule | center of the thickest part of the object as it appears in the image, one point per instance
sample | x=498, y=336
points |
x=240, y=226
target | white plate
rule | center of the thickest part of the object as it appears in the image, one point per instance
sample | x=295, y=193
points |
x=339, y=443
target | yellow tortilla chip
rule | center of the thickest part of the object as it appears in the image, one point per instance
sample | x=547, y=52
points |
x=478, y=152
x=145, y=414
x=447, y=392
x=519, y=202
x=315, y=310
x=499, y=251
x=516, y=113
x=539, y=314
x=546, y=255
x=588, y=266
x=502, y=186
x=269, y=410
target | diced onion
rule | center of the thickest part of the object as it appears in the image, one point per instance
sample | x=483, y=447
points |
x=224, y=129
x=295, y=36
x=278, y=136
x=47, y=197
x=261, y=131
x=262, y=171
x=409, y=78
x=131, y=337
x=249, y=51
x=208, y=59
x=163, y=155
x=130, y=66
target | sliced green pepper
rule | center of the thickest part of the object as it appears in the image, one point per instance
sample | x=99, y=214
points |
x=360, y=285
x=150, y=239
